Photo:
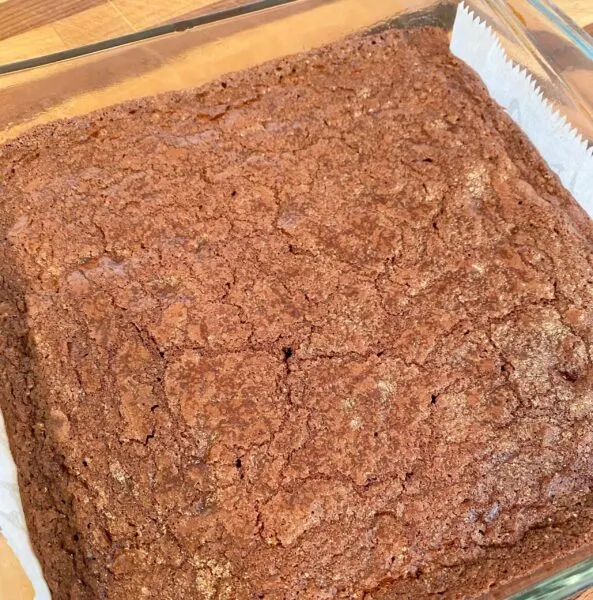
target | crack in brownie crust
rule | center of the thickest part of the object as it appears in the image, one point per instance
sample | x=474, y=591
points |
x=321, y=329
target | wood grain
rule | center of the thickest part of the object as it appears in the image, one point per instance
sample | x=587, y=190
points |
x=14, y=584
x=37, y=27
x=18, y=16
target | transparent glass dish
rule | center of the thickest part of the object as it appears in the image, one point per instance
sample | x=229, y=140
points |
x=77, y=64
x=96, y=58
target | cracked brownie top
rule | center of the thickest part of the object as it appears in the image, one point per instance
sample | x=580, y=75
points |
x=319, y=330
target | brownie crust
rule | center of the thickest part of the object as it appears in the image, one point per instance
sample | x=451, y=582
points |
x=321, y=329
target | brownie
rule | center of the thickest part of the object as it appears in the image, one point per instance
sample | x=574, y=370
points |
x=320, y=329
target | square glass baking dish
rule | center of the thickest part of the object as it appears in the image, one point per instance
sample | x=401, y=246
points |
x=95, y=60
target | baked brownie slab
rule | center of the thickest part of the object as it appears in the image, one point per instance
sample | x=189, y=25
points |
x=321, y=329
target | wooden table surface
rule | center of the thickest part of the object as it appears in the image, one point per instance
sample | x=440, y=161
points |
x=38, y=27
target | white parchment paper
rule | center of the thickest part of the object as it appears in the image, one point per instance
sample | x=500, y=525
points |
x=12, y=520
x=560, y=145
